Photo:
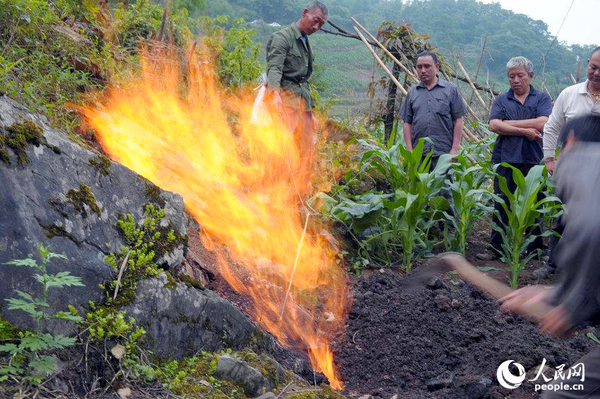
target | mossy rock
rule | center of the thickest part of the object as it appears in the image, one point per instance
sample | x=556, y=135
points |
x=56, y=231
x=83, y=196
x=101, y=164
x=20, y=135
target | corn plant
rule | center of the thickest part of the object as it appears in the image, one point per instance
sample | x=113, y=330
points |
x=470, y=199
x=28, y=357
x=523, y=207
x=392, y=224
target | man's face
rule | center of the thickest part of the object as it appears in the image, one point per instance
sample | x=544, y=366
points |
x=312, y=21
x=427, y=69
x=593, y=68
x=519, y=80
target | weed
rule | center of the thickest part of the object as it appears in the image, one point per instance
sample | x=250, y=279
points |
x=29, y=358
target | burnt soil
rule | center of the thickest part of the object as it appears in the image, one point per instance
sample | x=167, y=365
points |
x=443, y=338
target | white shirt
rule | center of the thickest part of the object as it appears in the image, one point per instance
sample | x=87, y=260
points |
x=572, y=101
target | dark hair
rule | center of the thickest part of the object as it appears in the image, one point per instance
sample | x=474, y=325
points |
x=594, y=51
x=584, y=128
x=428, y=53
x=313, y=5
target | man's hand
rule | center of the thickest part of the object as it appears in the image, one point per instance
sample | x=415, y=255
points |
x=531, y=301
x=454, y=151
x=276, y=101
x=550, y=164
x=557, y=322
x=531, y=134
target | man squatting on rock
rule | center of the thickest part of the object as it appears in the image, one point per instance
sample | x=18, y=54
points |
x=433, y=108
x=576, y=298
x=518, y=117
x=576, y=100
x=289, y=65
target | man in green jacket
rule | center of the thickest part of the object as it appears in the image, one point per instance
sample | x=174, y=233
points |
x=289, y=65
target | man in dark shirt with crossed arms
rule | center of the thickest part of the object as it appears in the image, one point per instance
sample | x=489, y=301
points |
x=518, y=117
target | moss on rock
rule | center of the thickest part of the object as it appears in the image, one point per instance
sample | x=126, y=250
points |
x=56, y=231
x=101, y=164
x=20, y=135
x=83, y=196
x=152, y=193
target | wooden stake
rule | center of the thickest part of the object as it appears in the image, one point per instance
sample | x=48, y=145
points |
x=381, y=63
x=472, y=85
x=573, y=79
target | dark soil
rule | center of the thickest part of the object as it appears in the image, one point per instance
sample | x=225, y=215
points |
x=442, y=339
x=433, y=336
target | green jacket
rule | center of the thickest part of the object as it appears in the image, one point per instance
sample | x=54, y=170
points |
x=289, y=65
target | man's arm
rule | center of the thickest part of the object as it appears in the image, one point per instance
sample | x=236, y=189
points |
x=277, y=49
x=407, y=130
x=552, y=129
x=507, y=129
x=457, y=135
x=535, y=123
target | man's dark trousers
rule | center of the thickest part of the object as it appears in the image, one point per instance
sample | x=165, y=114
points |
x=496, y=238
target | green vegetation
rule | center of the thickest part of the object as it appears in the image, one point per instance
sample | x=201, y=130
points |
x=470, y=200
x=29, y=355
x=137, y=259
x=388, y=206
x=391, y=224
x=523, y=207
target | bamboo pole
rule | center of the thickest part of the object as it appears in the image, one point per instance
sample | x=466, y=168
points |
x=389, y=54
x=472, y=85
x=381, y=63
x=578, y=74
x=573, y=79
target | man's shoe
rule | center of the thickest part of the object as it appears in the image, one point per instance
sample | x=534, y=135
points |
x=487, y=256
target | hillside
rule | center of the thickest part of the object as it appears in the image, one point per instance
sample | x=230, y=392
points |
x=348, y=65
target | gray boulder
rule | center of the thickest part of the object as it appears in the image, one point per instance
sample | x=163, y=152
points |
x=241, y=373
x=57, y=193
x=181, y=320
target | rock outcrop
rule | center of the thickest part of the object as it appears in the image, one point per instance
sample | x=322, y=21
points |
x=182, y=320
x=60, y=194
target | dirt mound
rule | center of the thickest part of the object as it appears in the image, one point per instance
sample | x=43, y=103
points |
x=441, y=340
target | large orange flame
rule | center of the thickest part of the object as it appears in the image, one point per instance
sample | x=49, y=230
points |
x=242, y=185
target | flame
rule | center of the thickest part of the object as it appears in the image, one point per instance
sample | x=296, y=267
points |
x=243, y=184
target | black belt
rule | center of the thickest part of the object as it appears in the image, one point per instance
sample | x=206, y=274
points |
x=297, y=81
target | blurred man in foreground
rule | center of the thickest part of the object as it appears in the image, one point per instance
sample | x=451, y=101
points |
x=576, y=100
x=576, y=299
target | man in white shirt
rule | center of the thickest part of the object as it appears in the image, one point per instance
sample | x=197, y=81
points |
x=575, y=100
